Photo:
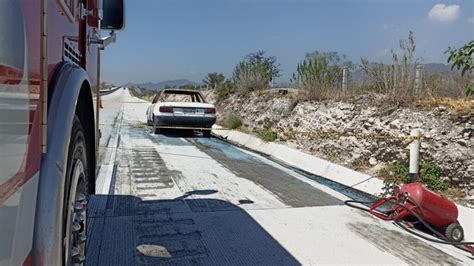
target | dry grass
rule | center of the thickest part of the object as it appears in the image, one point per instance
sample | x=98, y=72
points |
x=327, y=93
x=453, y=192
x=445, y=85
x=458, y=106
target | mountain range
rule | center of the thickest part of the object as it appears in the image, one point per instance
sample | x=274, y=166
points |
x=162, y=84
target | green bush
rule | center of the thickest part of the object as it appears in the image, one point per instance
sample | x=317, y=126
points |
x=469, y=90
x=430, y=173
x=232, y=122
x=255, y=72
x=462, y=58
x=320, y=70
x=223, y=90
x=268, y=135
x=395, y=173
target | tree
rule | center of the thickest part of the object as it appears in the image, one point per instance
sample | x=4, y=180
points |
x=268, y=64
x=224, y=89
x=462, y=58
x=212, y=80
x=255, y=71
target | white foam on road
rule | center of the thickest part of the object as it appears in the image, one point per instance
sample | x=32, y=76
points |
x=104, y=178
x=198, y=171
x=313, y=235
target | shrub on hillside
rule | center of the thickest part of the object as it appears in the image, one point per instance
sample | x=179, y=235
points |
x=395, y=79
x=255, y=72
x=430, y=175
x=268, y=135
x=462, y=58
x=319, y=72
x=232, y=122
x=223, y=90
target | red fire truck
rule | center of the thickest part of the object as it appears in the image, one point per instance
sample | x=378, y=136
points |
x=49, y=96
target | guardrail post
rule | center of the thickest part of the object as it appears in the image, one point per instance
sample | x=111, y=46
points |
x=414, y=155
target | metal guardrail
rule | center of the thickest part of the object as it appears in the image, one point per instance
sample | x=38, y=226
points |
x=105, y=92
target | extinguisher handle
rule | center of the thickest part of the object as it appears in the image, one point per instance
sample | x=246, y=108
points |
x=377, y=204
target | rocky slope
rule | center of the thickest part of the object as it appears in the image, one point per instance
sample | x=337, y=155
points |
x=447, y=139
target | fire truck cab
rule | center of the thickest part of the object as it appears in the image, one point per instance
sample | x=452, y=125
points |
x=49, y=96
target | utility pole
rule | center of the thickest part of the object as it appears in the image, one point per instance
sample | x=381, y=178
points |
x=418, y=79
x=345, y=77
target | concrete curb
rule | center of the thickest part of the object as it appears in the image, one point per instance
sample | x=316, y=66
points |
x=337, y=173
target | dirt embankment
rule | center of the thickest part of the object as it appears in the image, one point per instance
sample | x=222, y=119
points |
x=447, y=137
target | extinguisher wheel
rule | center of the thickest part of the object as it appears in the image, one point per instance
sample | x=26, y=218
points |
x=454, y=232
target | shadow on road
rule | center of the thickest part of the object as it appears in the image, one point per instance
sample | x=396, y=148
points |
x=181, y=133
x=124, y=230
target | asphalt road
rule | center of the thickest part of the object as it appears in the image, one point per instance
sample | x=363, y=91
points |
x=180, y=198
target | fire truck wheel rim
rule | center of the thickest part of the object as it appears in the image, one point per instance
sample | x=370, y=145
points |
x=76, y=221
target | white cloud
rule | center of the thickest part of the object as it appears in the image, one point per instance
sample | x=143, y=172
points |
x=444, y=13
x=470, y=20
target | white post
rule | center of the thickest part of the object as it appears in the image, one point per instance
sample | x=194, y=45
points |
x=418, y=79
x=414, y=155
x=345, y=73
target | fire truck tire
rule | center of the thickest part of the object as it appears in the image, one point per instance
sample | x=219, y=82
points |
x=76, y=199
x=454, y=232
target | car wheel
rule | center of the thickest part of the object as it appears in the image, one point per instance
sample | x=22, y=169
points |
x=206, y=133
x=148, y=121
x=78, y=190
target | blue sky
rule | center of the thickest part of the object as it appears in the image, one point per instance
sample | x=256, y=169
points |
x=174, y=39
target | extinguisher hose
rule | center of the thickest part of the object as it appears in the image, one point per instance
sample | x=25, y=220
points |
x=442, y=240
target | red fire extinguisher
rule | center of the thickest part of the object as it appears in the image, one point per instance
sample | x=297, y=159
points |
x=415, y=203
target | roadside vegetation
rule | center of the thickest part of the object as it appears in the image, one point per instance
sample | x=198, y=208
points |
x=224, y=89
x=462, y=58
x=318, y=77
x=430, y=175
x=268, y=135
x=213, y=80
x=395, y=80
x=232, y=122
x=255, y=72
